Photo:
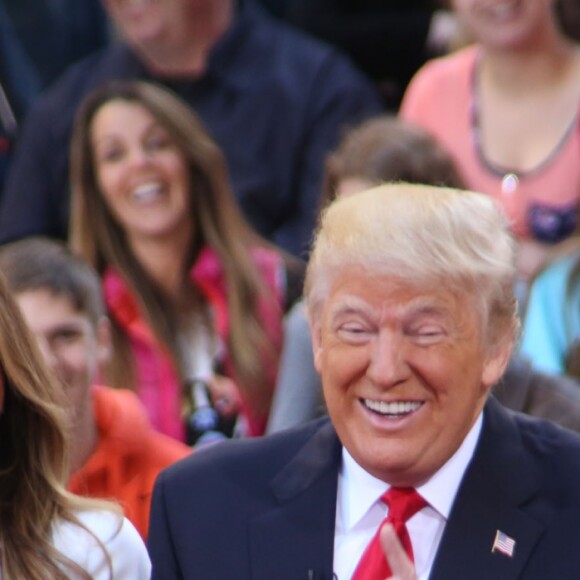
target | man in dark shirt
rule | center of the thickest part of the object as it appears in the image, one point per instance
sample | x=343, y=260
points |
x=275, y=100
x=56, y=33
x=18, y=86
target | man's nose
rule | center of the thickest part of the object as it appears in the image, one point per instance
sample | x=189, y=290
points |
x=388, y=366
x=48, y=355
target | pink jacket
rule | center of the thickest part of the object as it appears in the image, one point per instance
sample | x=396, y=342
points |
x=158, y=383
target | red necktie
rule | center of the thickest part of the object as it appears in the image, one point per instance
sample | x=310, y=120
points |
x=404, y=503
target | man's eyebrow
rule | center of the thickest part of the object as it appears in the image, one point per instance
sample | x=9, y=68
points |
x=427, y=308
x=419, y=306
x=350, y=304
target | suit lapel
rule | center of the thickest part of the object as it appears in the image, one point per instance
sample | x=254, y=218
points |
x=298, y=533
x=499, y=480
x=295, y=539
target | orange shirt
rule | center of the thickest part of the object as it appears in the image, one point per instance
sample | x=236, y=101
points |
x=128, y=457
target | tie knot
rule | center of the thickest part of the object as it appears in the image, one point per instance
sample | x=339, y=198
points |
x=403, y=502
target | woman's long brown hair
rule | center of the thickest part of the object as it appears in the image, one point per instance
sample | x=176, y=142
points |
x=217, y=222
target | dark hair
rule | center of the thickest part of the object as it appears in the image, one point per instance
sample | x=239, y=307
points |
x=386, y=149
x=568, y=14
x=40, y=263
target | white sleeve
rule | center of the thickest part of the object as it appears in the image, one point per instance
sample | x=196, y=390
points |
x=125, y=548
x=129, y=554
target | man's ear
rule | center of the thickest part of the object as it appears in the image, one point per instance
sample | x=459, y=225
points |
x=496, y=363
x=104, y=341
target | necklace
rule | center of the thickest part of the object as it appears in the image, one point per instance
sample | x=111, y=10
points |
x=509, y=184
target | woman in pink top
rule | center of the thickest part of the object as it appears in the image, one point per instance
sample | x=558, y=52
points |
x=195, y=296
x=507, y=111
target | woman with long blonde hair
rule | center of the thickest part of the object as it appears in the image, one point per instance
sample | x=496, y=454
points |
x=46, y=532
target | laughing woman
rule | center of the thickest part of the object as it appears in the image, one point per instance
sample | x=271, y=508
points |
x=194, y=294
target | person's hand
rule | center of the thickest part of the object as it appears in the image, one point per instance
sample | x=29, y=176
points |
x=224, y=395
x=401, y=567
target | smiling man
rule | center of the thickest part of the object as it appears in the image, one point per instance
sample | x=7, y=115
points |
x=413, y=319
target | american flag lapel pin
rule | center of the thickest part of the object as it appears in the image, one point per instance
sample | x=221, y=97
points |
x=504, y=544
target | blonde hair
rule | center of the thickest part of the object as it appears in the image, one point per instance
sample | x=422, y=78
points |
x=429, y=235
x=33, y=458
x=217, y=222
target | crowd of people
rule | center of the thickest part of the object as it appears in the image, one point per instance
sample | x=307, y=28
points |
x=289, y=289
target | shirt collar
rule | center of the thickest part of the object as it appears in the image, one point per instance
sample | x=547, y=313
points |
x=359, y=490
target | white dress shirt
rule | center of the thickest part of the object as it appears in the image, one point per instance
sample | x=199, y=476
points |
x=360, y=511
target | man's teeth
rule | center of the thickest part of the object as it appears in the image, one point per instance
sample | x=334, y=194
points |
x=394, y=409
x=147, y=191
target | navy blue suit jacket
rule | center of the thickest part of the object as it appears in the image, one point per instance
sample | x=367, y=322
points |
x=265, y=509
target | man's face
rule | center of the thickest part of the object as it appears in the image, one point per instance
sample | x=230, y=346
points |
x=71, y=345
x=138, y=20
x=148, y=22
x=404, y=372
